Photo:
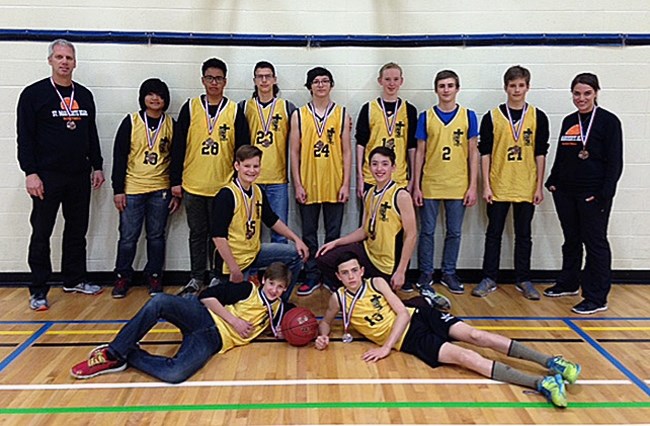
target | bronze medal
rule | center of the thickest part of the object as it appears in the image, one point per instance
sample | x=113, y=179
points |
x=583, y=154
x=517, y=150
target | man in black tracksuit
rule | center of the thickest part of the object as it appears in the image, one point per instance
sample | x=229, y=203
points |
x=58, y=146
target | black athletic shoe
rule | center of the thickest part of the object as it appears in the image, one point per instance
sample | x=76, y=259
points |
x=587, y=307
x=559, y=290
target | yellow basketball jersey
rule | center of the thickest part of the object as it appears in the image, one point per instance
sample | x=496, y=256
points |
x=384, y=242
x=269, y=127
x=253, y=310
x=209, y=156
x=445, y=174
x=244, y=238
x=372, y=316
x=321, y=156
x=395, y=140
x=147, y=168
x=513, y=171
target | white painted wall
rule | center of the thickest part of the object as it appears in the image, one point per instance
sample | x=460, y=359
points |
x=114, y=72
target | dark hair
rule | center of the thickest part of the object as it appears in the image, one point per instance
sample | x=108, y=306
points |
x=265, y=64
x=345, y=257
x=214, y=63
x=246, y=152
x=385, y=151
x=446, y=74
x=586, y=78
x=153, y=85
x=278, y=271
x=317, y=72
x=515, y=72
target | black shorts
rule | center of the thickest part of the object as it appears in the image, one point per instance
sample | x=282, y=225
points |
x=428, y=331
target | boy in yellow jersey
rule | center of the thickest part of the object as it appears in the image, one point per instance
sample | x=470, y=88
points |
x=385, y=241
x=369, y=305
x=210, y=128
x=513, y=147
x=446, y=172
x=269, y=121
x=321, y=159
x=141, y=156
x=387, y=121
x=239, y=210
x=221, y=318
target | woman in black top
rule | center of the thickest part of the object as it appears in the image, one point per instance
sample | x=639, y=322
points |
x=588, y=164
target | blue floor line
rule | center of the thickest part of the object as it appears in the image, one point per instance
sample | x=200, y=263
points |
x=24, y=346
x=587, y=338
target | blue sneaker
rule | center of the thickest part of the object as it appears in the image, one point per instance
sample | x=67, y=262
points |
x=452, y=283
x=552, y=387
x=567, y=369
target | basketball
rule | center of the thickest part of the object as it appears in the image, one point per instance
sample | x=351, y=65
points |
x=299, y=326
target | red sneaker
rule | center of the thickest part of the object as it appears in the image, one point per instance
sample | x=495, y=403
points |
x=98, y=363
x=155, y=285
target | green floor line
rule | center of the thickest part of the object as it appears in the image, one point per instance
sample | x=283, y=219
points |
x=318, y=405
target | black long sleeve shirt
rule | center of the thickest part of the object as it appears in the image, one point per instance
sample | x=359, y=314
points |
x=599, y=173
x=44, y=141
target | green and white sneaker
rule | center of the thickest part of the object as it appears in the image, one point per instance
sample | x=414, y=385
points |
x=552, y=387
x=567, y=369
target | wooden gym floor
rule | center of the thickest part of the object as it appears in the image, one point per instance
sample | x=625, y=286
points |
x=269, y=382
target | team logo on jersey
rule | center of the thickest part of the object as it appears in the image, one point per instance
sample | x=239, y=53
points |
x=376, y=302
x=527, y=136
x=275, y=122
x=457, y=137
x=223, y=132
x=383, y=209
x=398, y=128
x=163, y=145
x=330, y=135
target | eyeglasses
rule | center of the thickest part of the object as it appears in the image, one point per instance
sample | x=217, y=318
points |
x=214, y=79
x=323, y=82
x=264, y=76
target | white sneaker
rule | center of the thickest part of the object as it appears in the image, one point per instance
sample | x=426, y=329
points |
x=85, y=287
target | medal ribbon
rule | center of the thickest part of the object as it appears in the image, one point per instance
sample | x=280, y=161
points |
x=585, y=136
x=249, y=205
x=211, y=121
x=347, y=314
x=320, y=124
x=151, y=140
x=375, y=206
x=390, y=126
x=266, y=124
x=516, y=132
x=68, y=108
x=269, y=308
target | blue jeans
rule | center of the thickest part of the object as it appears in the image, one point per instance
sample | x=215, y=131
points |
x=310, y=216
x=151, y=208
x=201, y=339
x=454, y=213
x=278, y=196
x=275, y=252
